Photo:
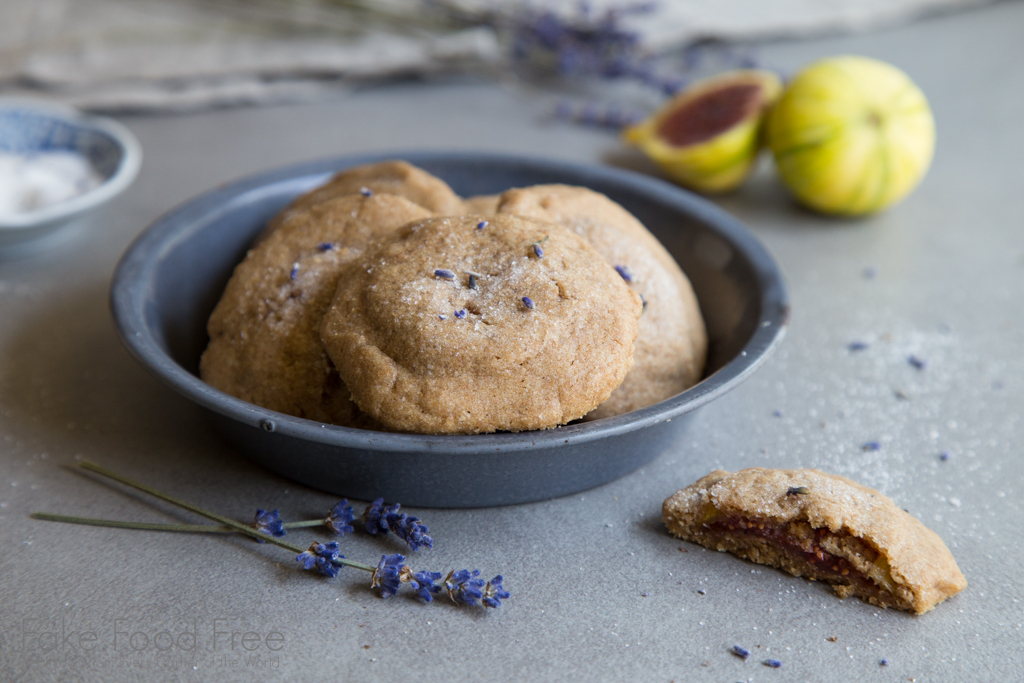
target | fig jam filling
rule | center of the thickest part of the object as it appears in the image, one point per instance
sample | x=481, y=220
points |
x=710, y=114
x=808, y=549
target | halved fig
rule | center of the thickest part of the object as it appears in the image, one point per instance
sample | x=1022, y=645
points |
x=708, y=136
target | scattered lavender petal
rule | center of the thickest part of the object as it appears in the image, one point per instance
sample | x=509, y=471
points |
x=625, y=272
x=325, y=246
x=366, y=192
x=944, y=456
x=856, y=346
x=295, y=271
x=740, y=651
x=528, y=302
x=444, y=274
x=871, y=446
x=461, y=313
x=481, y=225
x=918, y=363
x=773, y=663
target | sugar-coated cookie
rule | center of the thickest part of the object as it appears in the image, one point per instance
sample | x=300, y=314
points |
x=265, y=331
x=472, y=324
x=397, y=178
x=821, y=526
x=672, y=344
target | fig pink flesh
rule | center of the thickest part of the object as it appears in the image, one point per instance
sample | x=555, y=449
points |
x=710, y=114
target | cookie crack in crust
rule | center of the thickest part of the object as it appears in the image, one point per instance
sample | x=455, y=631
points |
x=853, y=566
x=820, y=526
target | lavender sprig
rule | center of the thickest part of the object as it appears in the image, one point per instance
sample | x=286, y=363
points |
x=463, y=586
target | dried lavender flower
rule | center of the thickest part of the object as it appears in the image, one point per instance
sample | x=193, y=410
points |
x=774, y=663
x=494, y=593
x=625, y=272
x=740, y=651
x=797, y=491
x=387, y=576
x=269, y=523
x=528, y=302
x=917, y=363
x=321, y=556
x=339, y=519
x=871, y=446
x=294, y=272
x=380, y=519
x=463, y=586
x=444, y=274
x=325, y=246
x=856, y=346
x=423, y=584
x=365, y=191
x=461, y=313
x=481, y=225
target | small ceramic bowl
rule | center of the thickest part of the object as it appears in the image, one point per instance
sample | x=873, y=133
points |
x=28, y=127
x=172, y=276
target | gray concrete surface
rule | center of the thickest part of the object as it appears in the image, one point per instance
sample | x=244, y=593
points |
x=600, y=591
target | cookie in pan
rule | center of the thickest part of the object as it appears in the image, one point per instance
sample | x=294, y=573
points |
x=265, y=331
x=462, y=325
x=672, y=344
x=398, y=178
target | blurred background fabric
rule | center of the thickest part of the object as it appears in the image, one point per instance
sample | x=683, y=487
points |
x=156, y=55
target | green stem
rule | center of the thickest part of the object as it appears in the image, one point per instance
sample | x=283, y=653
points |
x=117, y=524
x=305, y=523
x=156, y=526
x=220, y=519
